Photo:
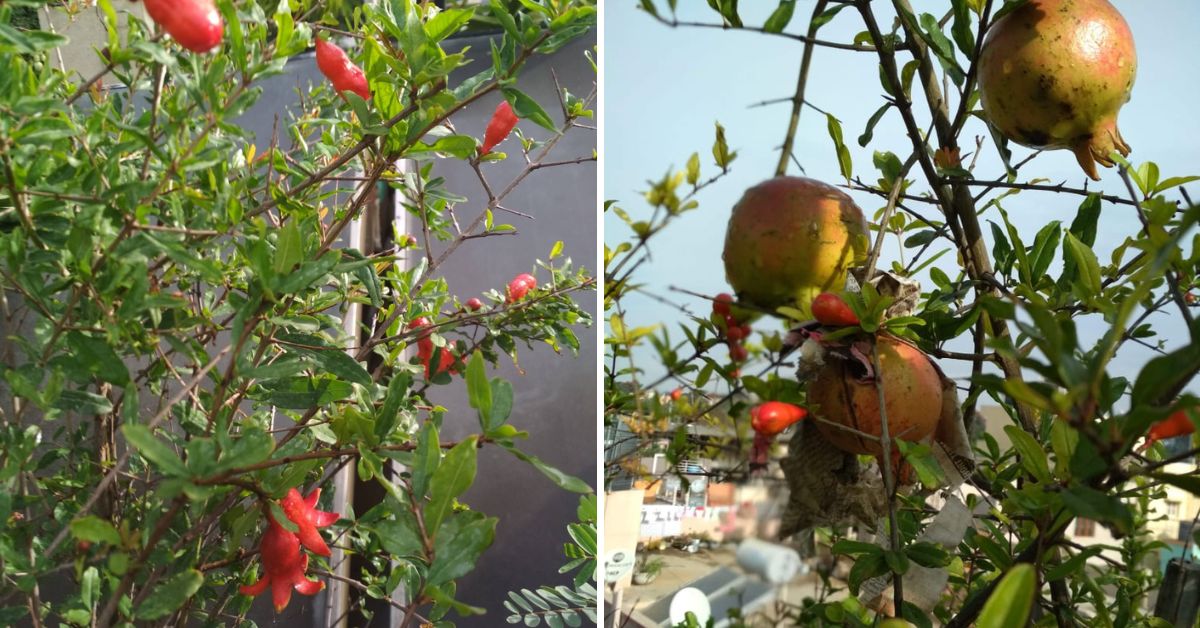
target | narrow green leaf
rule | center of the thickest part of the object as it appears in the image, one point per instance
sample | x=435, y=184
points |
x=527, y=108
x=93, y=529
x=1086, y=263
x=780, y=17
x=153, y=449
x=1032, y=456
x=454, y=475
x=169, y=595
x=479, y=390
x=1012, y=601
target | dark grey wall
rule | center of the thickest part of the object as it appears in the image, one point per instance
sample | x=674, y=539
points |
x=556, y=398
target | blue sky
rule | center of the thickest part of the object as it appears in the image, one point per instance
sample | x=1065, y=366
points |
x=665, y=87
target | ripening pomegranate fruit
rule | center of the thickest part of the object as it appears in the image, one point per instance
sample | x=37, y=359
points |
x=1054, y=74
x=790, y=239
x=912, y=394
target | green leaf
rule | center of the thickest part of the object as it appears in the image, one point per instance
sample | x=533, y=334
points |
x=527, y=108
x=153, y=449
x=169, y=595
x=447, y=22
x=693, y=169
x=1045, y=245
x=252, y=446
x=1073, y=565
x=399, y=536
x=1031, y=454
x=331, y=359
x=927, y=555
x=502, y=401
x=428, y=456
x=843, y=153
x=1189, y=483
x=1163, y=375
x=479, y=390
x=454, y=476
x=93, y=529
x=1086, y=263
x=460, y=545
x=1092, y=504
x=98, y=358
x=961, y=29
x=720, y=149
x=1171, y=182
x=1011, y=602
x=825, y=17
x=865, y=568
x=289, y=249
x=563, y=480
x=780, y=17
x=869, y=132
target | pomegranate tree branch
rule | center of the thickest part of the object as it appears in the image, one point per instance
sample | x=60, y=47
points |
x=798, y=100
x=956, y=202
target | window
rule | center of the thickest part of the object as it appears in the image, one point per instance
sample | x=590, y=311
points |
x=1173, y=509
x=1085, y=527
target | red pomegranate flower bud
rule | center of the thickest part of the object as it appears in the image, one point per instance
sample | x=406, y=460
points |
x=474, y=304
x=502, y=123
x=520, y=286
x=446, y=363
x=340, y=70
x=195, y=24
x=829, y=309
x=773, y=417
x=721, y=303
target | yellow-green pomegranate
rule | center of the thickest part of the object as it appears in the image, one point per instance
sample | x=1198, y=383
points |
x=1054, y=74
x=790, y=239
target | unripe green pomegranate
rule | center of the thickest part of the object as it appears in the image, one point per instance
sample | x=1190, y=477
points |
x=1054, y=74
x=790, y=239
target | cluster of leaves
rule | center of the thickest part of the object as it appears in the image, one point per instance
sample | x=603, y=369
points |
x=174, y=351
x=1074, y=422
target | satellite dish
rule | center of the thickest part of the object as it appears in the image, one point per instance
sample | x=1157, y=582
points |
x=691, y=600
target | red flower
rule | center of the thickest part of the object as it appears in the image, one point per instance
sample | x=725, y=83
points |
x=502, y=123
x=303, y=513
x=284, y=565
x=340, y=70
